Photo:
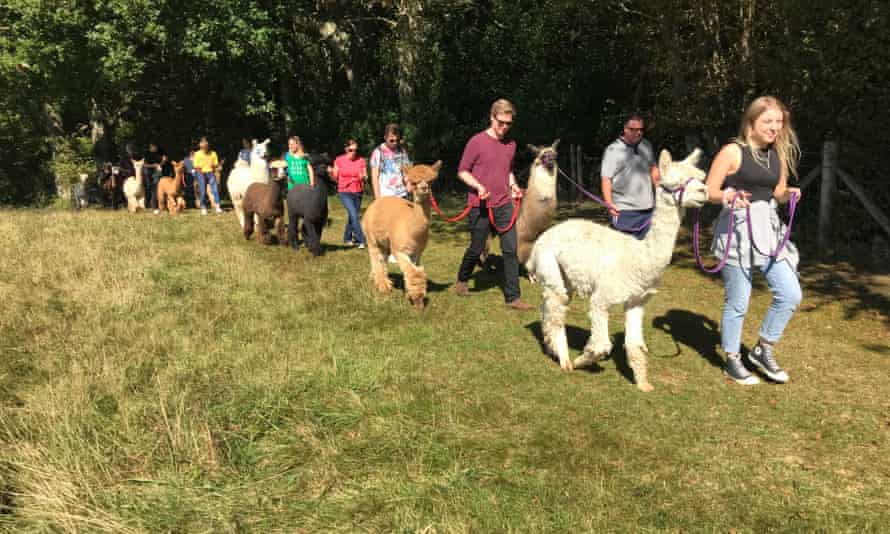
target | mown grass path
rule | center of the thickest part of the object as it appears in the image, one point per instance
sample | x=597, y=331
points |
x=159, y=374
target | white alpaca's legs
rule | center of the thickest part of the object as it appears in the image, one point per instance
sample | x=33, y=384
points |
x=634, y=345
x=553, y=312
x=236, y=204
x=598, y=345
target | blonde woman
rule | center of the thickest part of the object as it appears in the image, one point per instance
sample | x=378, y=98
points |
x=756, y=165
x=299, y=171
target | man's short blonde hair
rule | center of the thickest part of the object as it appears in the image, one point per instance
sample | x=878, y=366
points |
x=502, y=105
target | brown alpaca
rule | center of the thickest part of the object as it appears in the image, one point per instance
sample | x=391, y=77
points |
x=539, y=203
x=400, y=227
x=170, y=190
x=265, y=201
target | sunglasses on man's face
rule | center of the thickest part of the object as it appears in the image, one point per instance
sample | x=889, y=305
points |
x=503, y=124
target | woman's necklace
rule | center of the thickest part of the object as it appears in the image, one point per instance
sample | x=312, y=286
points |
x=761, y=160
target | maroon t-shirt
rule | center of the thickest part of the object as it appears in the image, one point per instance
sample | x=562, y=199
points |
x=490, y=161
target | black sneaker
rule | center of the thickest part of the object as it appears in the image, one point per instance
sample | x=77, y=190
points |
x=736, y=370
x=762, y=357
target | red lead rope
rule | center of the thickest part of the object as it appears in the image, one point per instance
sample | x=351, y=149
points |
x=517, y=202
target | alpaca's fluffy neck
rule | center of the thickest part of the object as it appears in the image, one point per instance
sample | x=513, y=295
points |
x=420, y=216
x=258, y=169
x=663, y=230
x=542, y=182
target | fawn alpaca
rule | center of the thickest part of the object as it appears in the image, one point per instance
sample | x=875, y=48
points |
x=170, y=190
x=394, y=225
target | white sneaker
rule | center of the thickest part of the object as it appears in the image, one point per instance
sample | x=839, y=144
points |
x=361, y=246
x=157, y=212
x=392, y=259
x=203, y=211
x=219, y=210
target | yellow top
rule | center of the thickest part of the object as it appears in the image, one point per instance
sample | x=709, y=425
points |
x=205, y=161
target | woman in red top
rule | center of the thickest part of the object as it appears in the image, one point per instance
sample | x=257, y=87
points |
x=350, y=172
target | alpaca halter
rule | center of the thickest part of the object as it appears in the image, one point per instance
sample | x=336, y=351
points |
x=548, y=159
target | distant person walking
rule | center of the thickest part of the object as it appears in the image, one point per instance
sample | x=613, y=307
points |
x=299, y=171
x=350, y=171
x=206, y=162
x=246, y=148
x=629, y=176
x=387, y=160
x=156, y=165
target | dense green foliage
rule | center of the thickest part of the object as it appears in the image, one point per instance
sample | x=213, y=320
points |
x=170, y=70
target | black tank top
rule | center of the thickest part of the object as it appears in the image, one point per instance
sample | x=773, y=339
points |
x=757, y=177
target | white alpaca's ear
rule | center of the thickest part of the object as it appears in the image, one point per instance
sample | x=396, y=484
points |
x=266, y=142
x=664, y=162
x=693, y=158
x=555, y=144
x=534, y=150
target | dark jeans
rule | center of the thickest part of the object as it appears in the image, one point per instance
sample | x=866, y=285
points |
x=188, y=190
x=633, y=222
x=150, y=179
x=480, y=228
x=353, y=204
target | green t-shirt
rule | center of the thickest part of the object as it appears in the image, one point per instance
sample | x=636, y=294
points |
x=297, y=170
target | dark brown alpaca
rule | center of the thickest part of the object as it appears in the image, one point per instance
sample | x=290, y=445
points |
x=265, y=201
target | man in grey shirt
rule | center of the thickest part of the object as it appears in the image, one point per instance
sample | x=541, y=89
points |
x=628, y=175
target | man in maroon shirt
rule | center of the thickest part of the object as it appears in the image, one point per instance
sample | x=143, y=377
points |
x=487, y=169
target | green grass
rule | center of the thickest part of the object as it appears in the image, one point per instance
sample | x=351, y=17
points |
x=163, y=375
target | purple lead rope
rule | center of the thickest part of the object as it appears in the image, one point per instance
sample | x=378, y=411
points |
x=602, y=202
x=792, y=208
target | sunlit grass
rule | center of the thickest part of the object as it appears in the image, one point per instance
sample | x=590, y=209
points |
x=161, y=374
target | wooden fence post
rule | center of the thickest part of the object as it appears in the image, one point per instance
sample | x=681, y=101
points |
x=827, y=194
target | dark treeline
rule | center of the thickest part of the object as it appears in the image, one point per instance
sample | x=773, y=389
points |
x=79, y=78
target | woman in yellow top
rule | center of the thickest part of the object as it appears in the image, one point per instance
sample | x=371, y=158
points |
x=206, y=162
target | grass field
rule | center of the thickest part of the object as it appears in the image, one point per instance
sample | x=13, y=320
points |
x=163, y=375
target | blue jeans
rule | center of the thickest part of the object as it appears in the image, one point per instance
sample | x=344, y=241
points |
x=203, y=179
x=783, y=284
x=353, y=203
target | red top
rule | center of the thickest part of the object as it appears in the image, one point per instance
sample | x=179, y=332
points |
x=490, y=161
x=349, y=179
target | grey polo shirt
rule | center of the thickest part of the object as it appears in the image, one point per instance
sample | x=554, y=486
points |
x=628, y=169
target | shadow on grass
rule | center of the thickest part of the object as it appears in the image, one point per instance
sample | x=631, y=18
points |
x=851, y=278
x=577, y=338
x=879, y=349
x=700, y=333
x=398, y=282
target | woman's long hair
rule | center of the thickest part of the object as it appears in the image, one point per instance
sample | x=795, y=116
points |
x=786, y=144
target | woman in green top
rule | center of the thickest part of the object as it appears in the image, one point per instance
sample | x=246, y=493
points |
x=298, y=169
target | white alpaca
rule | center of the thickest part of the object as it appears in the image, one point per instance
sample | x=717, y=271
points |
x=608, y=267
x=243, y=175
x=133, y=188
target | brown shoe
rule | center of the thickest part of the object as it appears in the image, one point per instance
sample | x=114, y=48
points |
x=518, y=304
x=460, y=289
